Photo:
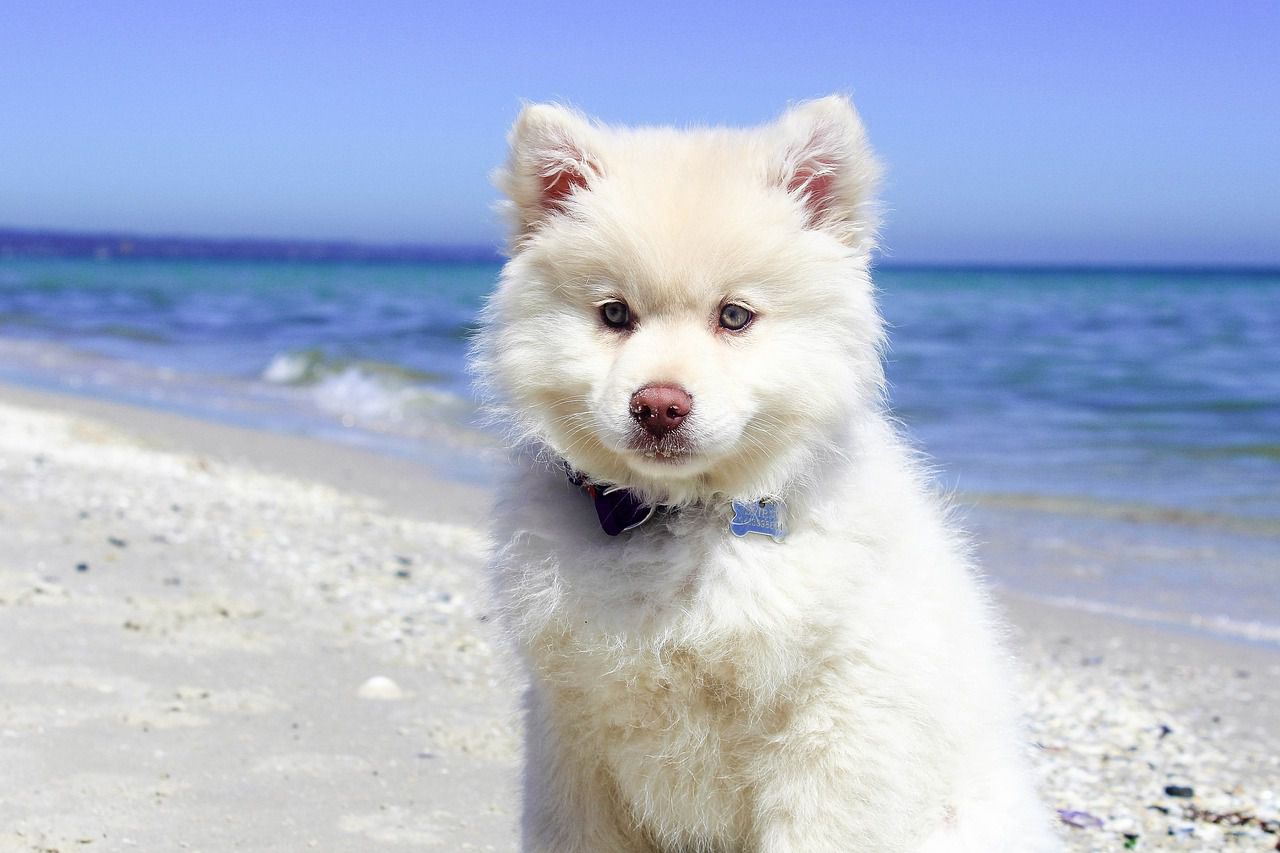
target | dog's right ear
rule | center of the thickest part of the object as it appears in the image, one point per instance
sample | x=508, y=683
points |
x=554, y=156
x=827, y=166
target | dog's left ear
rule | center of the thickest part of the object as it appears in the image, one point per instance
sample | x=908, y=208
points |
x=554, y=156
x=826, y=164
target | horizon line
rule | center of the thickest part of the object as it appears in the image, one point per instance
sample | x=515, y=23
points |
x=132, y=245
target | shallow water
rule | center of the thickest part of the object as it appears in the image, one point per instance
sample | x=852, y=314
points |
x=1150, y=388
x=1115, y=398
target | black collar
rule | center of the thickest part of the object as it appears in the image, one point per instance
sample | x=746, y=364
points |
x=620, y=510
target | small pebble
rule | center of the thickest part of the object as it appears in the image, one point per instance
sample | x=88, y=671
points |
x=1080, y=820
x=380, y=687
x=82, y=567
x=1179, y=791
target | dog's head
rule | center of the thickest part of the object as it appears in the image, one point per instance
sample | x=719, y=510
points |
x=686, y=313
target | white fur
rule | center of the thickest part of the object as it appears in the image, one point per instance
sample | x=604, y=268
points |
x=690, y=691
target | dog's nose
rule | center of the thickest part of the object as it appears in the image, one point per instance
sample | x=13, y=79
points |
x=661, y=408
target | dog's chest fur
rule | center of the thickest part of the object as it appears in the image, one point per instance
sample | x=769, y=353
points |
x=675, y=731
x=678, y=654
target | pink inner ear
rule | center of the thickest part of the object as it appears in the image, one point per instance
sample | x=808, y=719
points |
x=818, y=189
x=557, y=186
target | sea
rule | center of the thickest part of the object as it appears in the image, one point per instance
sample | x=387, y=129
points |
x=1112, y=437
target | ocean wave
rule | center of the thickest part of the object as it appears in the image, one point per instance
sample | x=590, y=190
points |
x=312, y=366
x=33, y=323
x=367, y=392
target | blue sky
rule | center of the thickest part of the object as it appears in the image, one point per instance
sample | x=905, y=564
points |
x=1013, y=132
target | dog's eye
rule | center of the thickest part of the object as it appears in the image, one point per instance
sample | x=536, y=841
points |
x=616, y=315
x=735, y=317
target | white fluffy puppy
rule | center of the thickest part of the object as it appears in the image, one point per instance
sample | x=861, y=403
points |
x=686, y=344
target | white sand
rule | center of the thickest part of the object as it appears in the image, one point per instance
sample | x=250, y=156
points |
x=197, y=684
x=217, y=639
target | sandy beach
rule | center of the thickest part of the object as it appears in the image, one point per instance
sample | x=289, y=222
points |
x=214, y=638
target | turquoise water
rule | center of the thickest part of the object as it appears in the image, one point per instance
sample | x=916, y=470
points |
x=1149, y=388
x=233, y=318
x=1157, y=391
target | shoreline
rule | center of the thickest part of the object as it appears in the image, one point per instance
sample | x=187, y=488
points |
x=1043, y=562
x=225, y=664
x=393, y=480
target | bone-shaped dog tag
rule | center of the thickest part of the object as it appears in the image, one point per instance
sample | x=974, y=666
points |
x=763, y=516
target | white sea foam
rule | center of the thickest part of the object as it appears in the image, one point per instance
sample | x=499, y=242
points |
x=366, y=393
x=289, y=368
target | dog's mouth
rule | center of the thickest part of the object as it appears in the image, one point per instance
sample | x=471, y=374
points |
x=667, y=457
x=668, y=450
